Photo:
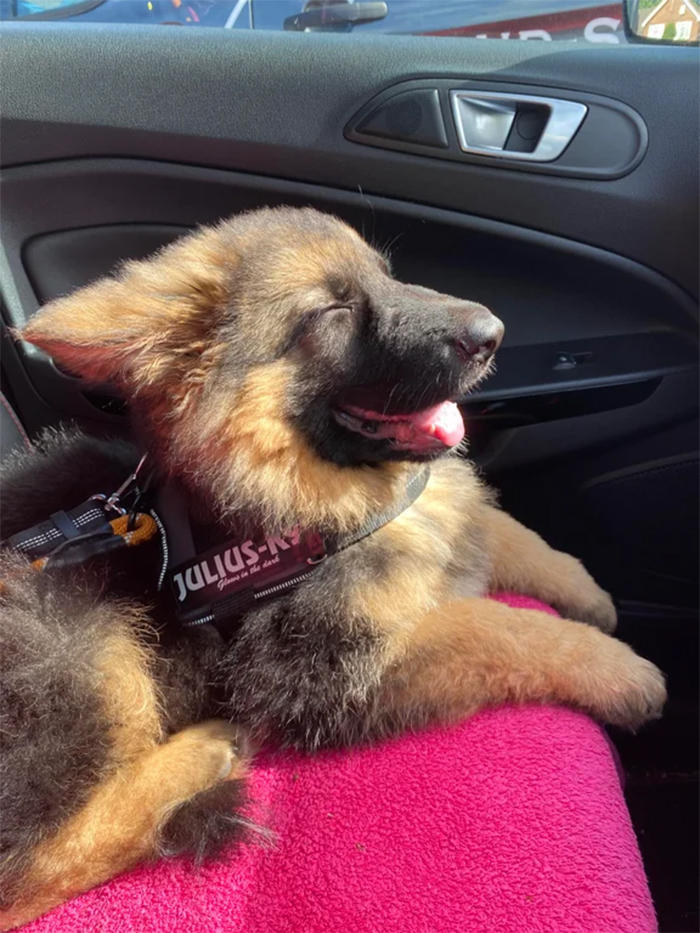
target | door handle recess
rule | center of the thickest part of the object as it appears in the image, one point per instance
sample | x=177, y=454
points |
x=515, y=126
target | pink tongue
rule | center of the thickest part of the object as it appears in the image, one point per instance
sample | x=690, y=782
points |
x=443, y=422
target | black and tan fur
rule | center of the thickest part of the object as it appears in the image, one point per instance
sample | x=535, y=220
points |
x=232, y=346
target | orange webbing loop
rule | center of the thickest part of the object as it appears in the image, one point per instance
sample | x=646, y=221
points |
x=142, y=530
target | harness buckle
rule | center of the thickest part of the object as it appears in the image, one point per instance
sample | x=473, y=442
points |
x=111, y=503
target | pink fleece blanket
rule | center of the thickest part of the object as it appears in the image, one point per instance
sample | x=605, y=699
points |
x=513, y=822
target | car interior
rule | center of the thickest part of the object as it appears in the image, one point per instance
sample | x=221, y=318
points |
x=582, y=237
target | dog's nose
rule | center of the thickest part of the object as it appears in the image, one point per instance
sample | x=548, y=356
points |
x=481, y=337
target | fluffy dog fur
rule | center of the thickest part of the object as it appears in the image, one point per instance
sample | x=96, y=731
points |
x=236, y=348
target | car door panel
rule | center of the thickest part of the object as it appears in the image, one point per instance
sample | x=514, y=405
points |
x=224, y=105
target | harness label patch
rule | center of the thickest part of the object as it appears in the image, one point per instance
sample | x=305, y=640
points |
x=234, y=566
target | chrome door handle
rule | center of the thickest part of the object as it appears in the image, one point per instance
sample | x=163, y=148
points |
x=489, y=123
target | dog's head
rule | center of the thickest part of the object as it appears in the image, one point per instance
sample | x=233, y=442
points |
x=275, y=355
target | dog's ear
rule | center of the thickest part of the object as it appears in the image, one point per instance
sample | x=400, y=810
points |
x=148, y=325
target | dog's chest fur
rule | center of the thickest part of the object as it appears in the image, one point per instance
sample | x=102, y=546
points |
x=310, y=668
x=305, y=669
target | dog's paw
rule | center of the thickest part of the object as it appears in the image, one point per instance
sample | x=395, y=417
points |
x=596, y=608
x=577, y=596
x=629, y=690
x=219, y=750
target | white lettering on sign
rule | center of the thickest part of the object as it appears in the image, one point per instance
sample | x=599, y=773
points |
x=602, y=30
x=602, y=22
x=233, y=564
x=535, y=34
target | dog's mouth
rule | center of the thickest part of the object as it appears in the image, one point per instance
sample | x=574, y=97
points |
x=429, y=430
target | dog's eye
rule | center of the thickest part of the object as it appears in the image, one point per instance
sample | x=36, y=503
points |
x=327, y=319
x=328, y=315
x=338, y=311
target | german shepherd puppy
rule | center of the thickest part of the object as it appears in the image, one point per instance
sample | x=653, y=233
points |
x=281, y=376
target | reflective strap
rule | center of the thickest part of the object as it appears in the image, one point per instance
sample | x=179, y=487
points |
x=42, y=539
x=65, y=524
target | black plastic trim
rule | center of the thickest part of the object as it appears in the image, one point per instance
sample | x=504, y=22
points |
x=606, y=361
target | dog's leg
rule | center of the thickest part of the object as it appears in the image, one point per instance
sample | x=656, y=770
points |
x=119, y=826
x=473, y=653
x=523, y=563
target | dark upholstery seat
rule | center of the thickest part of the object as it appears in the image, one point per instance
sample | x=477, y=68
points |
x=12, y=434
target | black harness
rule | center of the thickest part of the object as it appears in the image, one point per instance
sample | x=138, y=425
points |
x=215, y=587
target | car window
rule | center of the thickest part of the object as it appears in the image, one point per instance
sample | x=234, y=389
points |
x=220, y=13
x=577, y=21
x=545, y=20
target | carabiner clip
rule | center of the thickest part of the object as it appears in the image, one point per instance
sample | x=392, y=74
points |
x=112, y=502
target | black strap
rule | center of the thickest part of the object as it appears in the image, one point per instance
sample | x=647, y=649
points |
x=234, y=606
x=171, y=506
x=199, y=604
x=413, y=490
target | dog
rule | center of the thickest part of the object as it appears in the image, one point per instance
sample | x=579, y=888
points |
x=281, y=381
